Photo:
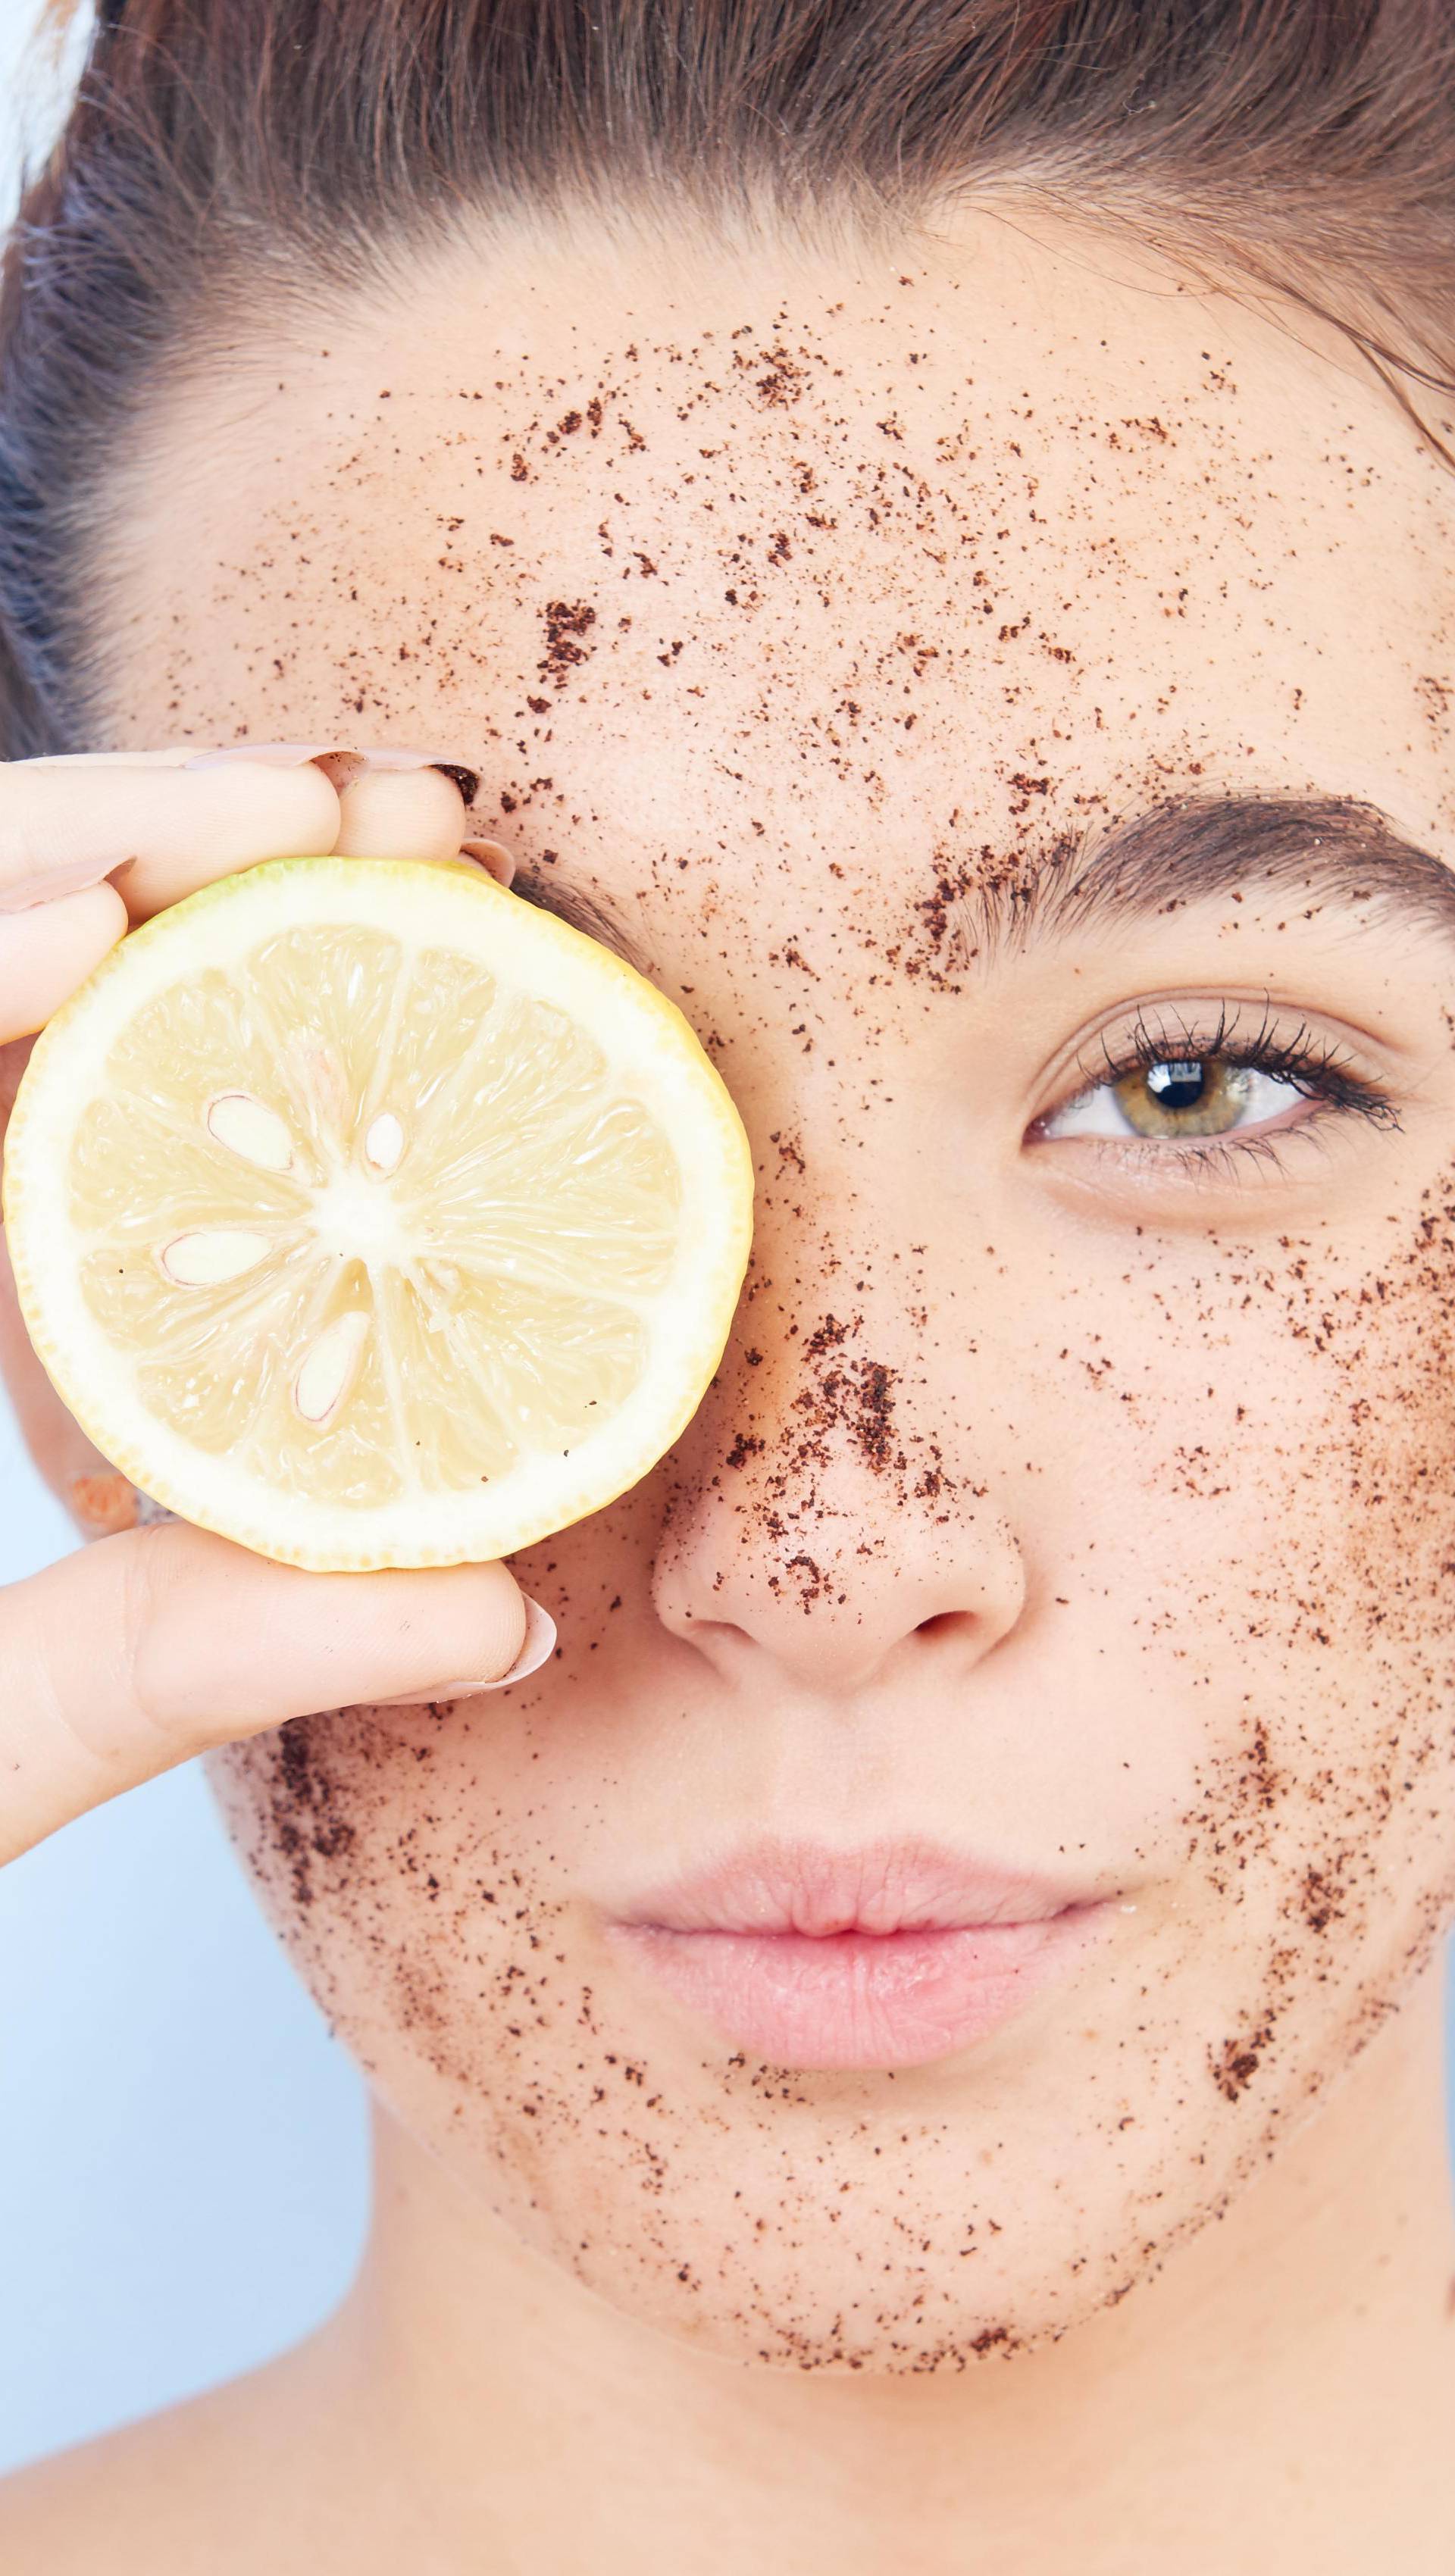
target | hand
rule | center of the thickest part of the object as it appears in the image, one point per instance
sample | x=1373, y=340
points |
x=162, y=1641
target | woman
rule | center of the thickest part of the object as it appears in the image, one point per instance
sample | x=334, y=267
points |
x=930, y=528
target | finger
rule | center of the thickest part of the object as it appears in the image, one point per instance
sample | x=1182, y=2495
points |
x=399, y=814
x=493, y=857
x=46, y=952
x=210, y=824
x=150, y=1647
x=175, y=755
x=173, y=829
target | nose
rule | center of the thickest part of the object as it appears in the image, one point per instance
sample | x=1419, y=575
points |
x=832, y=1535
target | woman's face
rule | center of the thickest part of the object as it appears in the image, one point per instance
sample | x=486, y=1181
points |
x=1077, y=1486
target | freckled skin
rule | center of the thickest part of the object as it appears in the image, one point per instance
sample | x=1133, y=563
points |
x=797, y=608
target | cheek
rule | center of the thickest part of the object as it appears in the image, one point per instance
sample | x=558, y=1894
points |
x=412, y=1860
x=419, y=1871
x=397, y=1855
x=424, y=1874
x=1312, y=1611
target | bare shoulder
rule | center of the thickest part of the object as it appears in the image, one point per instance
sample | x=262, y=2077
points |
x=193, y=2492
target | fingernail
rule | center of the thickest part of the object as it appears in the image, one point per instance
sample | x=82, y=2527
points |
x=294, y=755
x=24, y=893
x=540, y=1641
x=492, y=856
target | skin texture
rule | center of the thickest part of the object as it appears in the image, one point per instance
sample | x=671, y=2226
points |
x=797, y=607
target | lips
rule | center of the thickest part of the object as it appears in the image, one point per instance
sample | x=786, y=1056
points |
x=892, y=1955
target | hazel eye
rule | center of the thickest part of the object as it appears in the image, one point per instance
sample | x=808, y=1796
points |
x=1178, y=1097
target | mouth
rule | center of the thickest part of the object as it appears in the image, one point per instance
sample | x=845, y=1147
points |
x=889, y=1956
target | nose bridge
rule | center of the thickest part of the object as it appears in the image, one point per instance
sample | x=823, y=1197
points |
x=826, y=1506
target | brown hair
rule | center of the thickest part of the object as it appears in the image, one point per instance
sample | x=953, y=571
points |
x=1305, y=146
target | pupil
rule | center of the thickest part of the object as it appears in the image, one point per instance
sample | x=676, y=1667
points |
x=1178, y=1085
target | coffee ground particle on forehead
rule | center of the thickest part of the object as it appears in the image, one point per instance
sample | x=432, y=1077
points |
x=566, y=622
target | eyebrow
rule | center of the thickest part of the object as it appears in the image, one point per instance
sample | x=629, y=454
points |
x=1182, y=851
x=1195, y=850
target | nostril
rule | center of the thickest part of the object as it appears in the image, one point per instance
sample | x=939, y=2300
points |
x=939, y=1623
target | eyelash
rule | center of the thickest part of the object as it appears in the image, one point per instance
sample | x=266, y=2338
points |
x=1314, y=1065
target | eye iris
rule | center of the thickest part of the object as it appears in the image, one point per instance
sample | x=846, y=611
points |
x=1183, y=1096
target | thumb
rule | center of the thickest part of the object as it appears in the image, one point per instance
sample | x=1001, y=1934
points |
x=157, y=1644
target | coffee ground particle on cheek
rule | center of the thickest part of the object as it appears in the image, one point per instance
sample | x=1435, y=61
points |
x=304, y=1809
x=1237, y=2062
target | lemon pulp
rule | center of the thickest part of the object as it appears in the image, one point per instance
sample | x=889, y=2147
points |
x=398, y=1223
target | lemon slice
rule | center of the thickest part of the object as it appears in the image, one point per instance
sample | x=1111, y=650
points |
x=372, y=1216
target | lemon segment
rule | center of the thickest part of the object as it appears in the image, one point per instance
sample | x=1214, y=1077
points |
x=369, y=1215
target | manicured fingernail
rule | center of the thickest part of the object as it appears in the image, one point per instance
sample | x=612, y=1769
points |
x=493, y=856
x=540, y=1641
x=24, y=893
x=294, y=755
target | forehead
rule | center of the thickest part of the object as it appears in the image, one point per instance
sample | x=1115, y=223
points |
x=1017, y=517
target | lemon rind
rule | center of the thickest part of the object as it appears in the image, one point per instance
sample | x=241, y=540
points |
x=665, y=1064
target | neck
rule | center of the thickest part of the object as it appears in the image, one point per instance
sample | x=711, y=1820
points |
x=1247, y=2389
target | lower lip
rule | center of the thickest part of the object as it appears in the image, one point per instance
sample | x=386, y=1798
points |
x=868, y=1999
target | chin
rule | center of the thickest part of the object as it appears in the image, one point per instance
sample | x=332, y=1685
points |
x=786, y=2227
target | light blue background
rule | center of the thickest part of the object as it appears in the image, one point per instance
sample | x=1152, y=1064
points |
x=183, y=2168
x=183, y=2160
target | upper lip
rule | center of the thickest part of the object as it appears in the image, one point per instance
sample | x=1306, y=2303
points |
x=892, y=1885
